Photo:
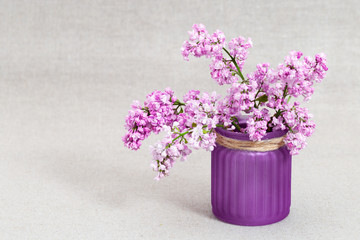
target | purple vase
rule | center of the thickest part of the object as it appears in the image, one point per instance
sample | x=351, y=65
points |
x=247, y=187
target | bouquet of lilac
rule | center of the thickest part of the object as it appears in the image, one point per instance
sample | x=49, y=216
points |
x=266, y=96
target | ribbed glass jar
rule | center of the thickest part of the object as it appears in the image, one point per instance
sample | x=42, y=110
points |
x=250, y=188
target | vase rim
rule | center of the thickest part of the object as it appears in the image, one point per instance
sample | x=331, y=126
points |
x=245, y=136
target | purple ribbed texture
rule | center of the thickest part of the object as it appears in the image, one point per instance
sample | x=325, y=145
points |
x=250, y=188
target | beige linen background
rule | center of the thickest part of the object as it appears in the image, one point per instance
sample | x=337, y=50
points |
x=69, y=71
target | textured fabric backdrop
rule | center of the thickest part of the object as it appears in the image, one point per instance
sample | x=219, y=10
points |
x=69, y=71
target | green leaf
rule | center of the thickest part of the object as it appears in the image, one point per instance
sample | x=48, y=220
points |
x=262, y=98
x=205, y=131
x=178, y=103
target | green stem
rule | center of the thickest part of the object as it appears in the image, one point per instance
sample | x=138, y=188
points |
x=288, y=99
x=180, y=135
x=235, y=63
x=236, y=126
x=235, y=122
x=257, y=95
x=290, y=129
x=285, y=89
x=277, y=114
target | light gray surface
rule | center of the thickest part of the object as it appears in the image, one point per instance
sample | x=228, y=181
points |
x=69, y=71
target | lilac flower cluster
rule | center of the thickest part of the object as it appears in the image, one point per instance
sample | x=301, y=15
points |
x=223, y=69
x=193, y=128
x=266, y=96
x=226, y=71
x=257, y=124
x=201, y=43
x=293, y=78
x=167, y=151
x=239, y=50
x=300, y=126
x=141, y=121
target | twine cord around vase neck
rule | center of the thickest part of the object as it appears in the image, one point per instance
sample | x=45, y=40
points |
x=256, y=146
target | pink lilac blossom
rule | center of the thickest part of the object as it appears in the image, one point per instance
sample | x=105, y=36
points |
x=177, y=145
x=201, y=118
x=160, y=109
x=295, y=142
x=171, y=147
x=277, y=123
x=141, y=121
x=240, y=98
x=166, y=152
x=201, y=43
x=301, y=127
x=257, y=124
x=200, y=138
x=299, y=75
x=137, y=125
x=239, y=49
x=193, y=129
x=200, y=109
x=266, y=95
x=222, y=70
x=265, y=77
